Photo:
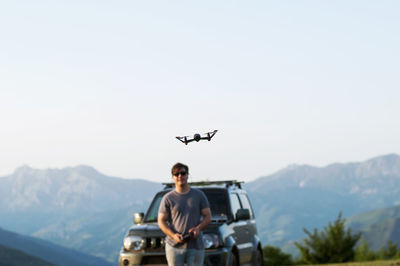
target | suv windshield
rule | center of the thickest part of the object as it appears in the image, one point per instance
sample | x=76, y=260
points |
x=216, y=198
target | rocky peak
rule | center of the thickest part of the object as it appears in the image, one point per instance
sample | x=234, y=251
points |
x=379, y=166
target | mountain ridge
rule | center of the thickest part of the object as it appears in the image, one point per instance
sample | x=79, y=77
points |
x=66, y=188
x=377, y=226
x=306, y=175
x=82, y=208
x=309, y=197
x=15, y=257
x=47, y=251
x=56, y=204
x=392, y=160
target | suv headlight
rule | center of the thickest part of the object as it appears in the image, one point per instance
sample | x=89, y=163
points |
x=133, y=242
x=210, y=240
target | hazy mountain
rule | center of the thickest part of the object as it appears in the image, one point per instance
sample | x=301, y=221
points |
x=14, y=257
x=378, y=226
x=305, y=196
x=99, y=234
x=377, y=176
x=58, y=193
x=70, y=189
x=76, y=207
x=81, y=208
x=44, y=250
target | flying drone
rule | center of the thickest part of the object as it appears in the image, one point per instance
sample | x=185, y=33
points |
x=197, y=137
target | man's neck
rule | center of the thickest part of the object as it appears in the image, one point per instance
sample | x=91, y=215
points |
x=182, y=189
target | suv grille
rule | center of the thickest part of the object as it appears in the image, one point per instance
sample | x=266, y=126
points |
x=154, y=243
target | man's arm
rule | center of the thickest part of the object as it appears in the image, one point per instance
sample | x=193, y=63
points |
x=206, y=213
x=162, y=223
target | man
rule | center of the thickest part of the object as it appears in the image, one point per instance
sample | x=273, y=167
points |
x=179, y=217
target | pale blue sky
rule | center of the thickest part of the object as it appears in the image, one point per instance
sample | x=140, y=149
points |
x=110, y=84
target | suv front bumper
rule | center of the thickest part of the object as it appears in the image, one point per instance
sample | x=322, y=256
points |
x=212, y=257
x=216, y=257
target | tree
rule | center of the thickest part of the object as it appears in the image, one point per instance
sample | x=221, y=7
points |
x=273, y=256
x=364, y=252
x=332, y=245
x=397, y=256
x=390, y=252
x=391, y=249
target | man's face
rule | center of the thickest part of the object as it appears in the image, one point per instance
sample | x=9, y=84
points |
x=180, y=177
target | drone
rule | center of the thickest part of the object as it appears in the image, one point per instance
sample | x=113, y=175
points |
x=197, y=137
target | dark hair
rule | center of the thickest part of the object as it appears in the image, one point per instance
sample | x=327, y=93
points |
x=178, y=166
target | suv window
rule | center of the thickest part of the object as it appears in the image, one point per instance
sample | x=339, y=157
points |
x=217, y=200
x=235, y=203
x=152, y=213
x=246, y=204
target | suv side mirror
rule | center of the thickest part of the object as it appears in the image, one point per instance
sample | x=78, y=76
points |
x=138, y=217
x=242, y=214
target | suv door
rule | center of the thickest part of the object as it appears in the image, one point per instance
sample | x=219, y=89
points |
x=241, y=231
x=251, y=227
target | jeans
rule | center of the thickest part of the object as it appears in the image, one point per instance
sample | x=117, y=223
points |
x=178, y=256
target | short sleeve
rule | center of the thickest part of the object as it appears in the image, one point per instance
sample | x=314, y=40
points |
x=164, y=206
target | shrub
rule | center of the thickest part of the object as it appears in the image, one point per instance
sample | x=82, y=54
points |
x=364, y=252
x=333, y=244
x=273, y=256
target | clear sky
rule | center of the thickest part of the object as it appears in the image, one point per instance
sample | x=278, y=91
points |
x=111, y=83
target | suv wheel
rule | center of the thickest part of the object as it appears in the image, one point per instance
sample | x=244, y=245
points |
x=233, y=260
x=259, y=260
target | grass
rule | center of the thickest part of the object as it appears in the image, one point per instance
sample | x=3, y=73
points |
x=367, y=263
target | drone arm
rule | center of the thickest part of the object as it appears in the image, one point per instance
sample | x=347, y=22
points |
x=183, y=140
x=207, y=137
x=211, y=134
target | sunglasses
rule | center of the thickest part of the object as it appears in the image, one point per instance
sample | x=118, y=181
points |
x=180, y=173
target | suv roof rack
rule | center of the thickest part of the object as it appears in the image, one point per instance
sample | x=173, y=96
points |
x=227, y=183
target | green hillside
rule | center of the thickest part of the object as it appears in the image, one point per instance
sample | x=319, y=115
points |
x=366, y=220
x=99, y=234
x=48, y=251
x=13, y=257
x=82, y=209
x=378, y=226
x=365, y=263
x=303, y=196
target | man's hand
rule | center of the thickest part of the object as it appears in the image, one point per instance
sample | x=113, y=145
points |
x=178, y=238
x=195, y=232
x=206, y=213
x=162, y=223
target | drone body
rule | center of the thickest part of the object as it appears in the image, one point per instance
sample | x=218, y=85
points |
x=197, y=137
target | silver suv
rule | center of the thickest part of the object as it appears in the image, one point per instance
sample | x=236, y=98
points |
x=231, y=239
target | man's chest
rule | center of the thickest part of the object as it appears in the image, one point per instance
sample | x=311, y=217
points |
x=183, y=207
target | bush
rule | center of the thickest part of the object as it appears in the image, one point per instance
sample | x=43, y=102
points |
x=389, y=252
x=332, y=245
x=273, y=256
x=364, y=252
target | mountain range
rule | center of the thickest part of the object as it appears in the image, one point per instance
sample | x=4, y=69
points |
x=303, y=196
x=33, y=251
x=378, y=226
x=78, y=207
x=14, y=257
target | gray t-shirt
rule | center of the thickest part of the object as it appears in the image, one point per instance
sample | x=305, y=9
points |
x=184, y=212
